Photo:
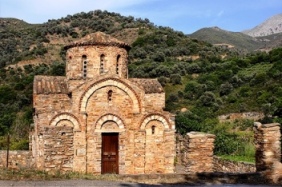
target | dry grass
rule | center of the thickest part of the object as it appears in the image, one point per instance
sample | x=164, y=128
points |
x=31, y=174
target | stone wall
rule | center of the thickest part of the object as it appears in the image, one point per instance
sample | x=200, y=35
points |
x=197, y=152
x=17, y=159
x=237, y=116
x=58, y=148
x=227, y=166
x=268, y=150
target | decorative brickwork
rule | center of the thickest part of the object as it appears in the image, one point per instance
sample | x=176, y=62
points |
x=76, y=116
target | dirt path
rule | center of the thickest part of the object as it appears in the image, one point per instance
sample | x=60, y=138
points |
x=82, y=183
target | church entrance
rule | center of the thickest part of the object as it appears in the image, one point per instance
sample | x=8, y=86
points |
x=110, y=153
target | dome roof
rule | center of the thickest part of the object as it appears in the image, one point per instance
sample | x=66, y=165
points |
x=98, y=38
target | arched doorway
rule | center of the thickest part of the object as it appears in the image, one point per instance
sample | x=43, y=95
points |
x=110, y=153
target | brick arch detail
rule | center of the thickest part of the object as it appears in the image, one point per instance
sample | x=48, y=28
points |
x=110, y=82
x=155, y=116
x=109, y=117
x=66, y=116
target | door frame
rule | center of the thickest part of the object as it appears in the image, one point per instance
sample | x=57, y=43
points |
x=117, y=151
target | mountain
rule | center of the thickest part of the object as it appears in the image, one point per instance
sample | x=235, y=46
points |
x=270, y=41
x=271, y=26
x=264, y=37
x=217, y=36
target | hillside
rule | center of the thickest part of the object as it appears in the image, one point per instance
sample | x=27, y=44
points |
x=201, y=80
x=217, y=36
x=271, y=26
x=271, y=41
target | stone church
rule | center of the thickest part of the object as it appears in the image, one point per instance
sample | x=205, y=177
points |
x=96, y=119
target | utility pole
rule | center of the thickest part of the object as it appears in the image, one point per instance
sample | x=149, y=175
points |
x=8, y=147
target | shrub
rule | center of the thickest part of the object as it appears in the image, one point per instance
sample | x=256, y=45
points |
x=172, y=98
x=207, y=99
x=175, y=79
x=7, y=94
x=162, y=80
x=225, y=89
x=22, y=144
x=58, y=69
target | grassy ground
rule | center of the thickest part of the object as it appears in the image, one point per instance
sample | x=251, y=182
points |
x=31, y=174
x=238, y=158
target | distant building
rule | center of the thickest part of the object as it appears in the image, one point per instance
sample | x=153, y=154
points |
x=96, y=119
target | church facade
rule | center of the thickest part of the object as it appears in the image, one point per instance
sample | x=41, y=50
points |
x=96, y=119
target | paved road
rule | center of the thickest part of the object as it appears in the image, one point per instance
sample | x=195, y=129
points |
x=82, y=183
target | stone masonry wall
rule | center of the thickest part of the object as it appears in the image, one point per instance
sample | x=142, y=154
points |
x=198, y=152
x=222, y=165
x=17, y=159
x=58, y=148
x=268, y=150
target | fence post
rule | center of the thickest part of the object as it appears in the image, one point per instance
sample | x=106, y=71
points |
x=8, y=147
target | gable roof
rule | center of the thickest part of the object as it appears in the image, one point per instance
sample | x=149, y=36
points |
x=50, y=85
x=98, y=38
x=149, y=85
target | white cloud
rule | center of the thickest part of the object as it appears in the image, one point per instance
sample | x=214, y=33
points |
x=220, y=13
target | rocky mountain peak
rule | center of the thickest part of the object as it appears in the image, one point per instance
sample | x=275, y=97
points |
x=272, y=25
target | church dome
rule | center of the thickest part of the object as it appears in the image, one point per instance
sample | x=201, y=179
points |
x=98, y=38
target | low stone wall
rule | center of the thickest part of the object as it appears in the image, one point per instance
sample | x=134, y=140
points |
x=268, y=150
x=17, y=159
x=227, y=166
x=198, y=152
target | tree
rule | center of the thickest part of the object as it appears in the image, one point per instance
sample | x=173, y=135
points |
x=225, y=89
x=175, y=79
x=58, y=69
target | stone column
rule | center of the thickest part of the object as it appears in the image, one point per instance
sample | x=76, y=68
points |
x=268, y=150
x=199, y=152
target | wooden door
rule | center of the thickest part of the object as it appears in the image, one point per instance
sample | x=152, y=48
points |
x=109, y=153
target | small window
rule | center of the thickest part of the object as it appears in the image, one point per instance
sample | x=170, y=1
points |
x=117, y=64
x=84, y=66
x=102, y=63
x=153, y=129
x=110, y=94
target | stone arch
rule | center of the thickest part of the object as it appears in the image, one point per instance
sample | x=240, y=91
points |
x=110, y=82
x=109, y=117
x=151, y=117
x=68, y=117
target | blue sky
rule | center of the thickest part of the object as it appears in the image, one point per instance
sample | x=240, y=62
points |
x=183, y=15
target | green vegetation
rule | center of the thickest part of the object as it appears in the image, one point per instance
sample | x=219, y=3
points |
x=16, y=102
x=193, y=73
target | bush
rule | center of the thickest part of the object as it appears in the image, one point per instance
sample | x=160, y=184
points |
x=58, y=69
x=225, y=89
x=172, y=98
x=20, y=145
x=162, y=80
x=7, y=94
x=207, y=99
x=175, y=79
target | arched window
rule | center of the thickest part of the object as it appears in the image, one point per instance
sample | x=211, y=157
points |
x=117, y=64
x=84, y=66
x=153, y=129
x=110, y=94
x=102, y=63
